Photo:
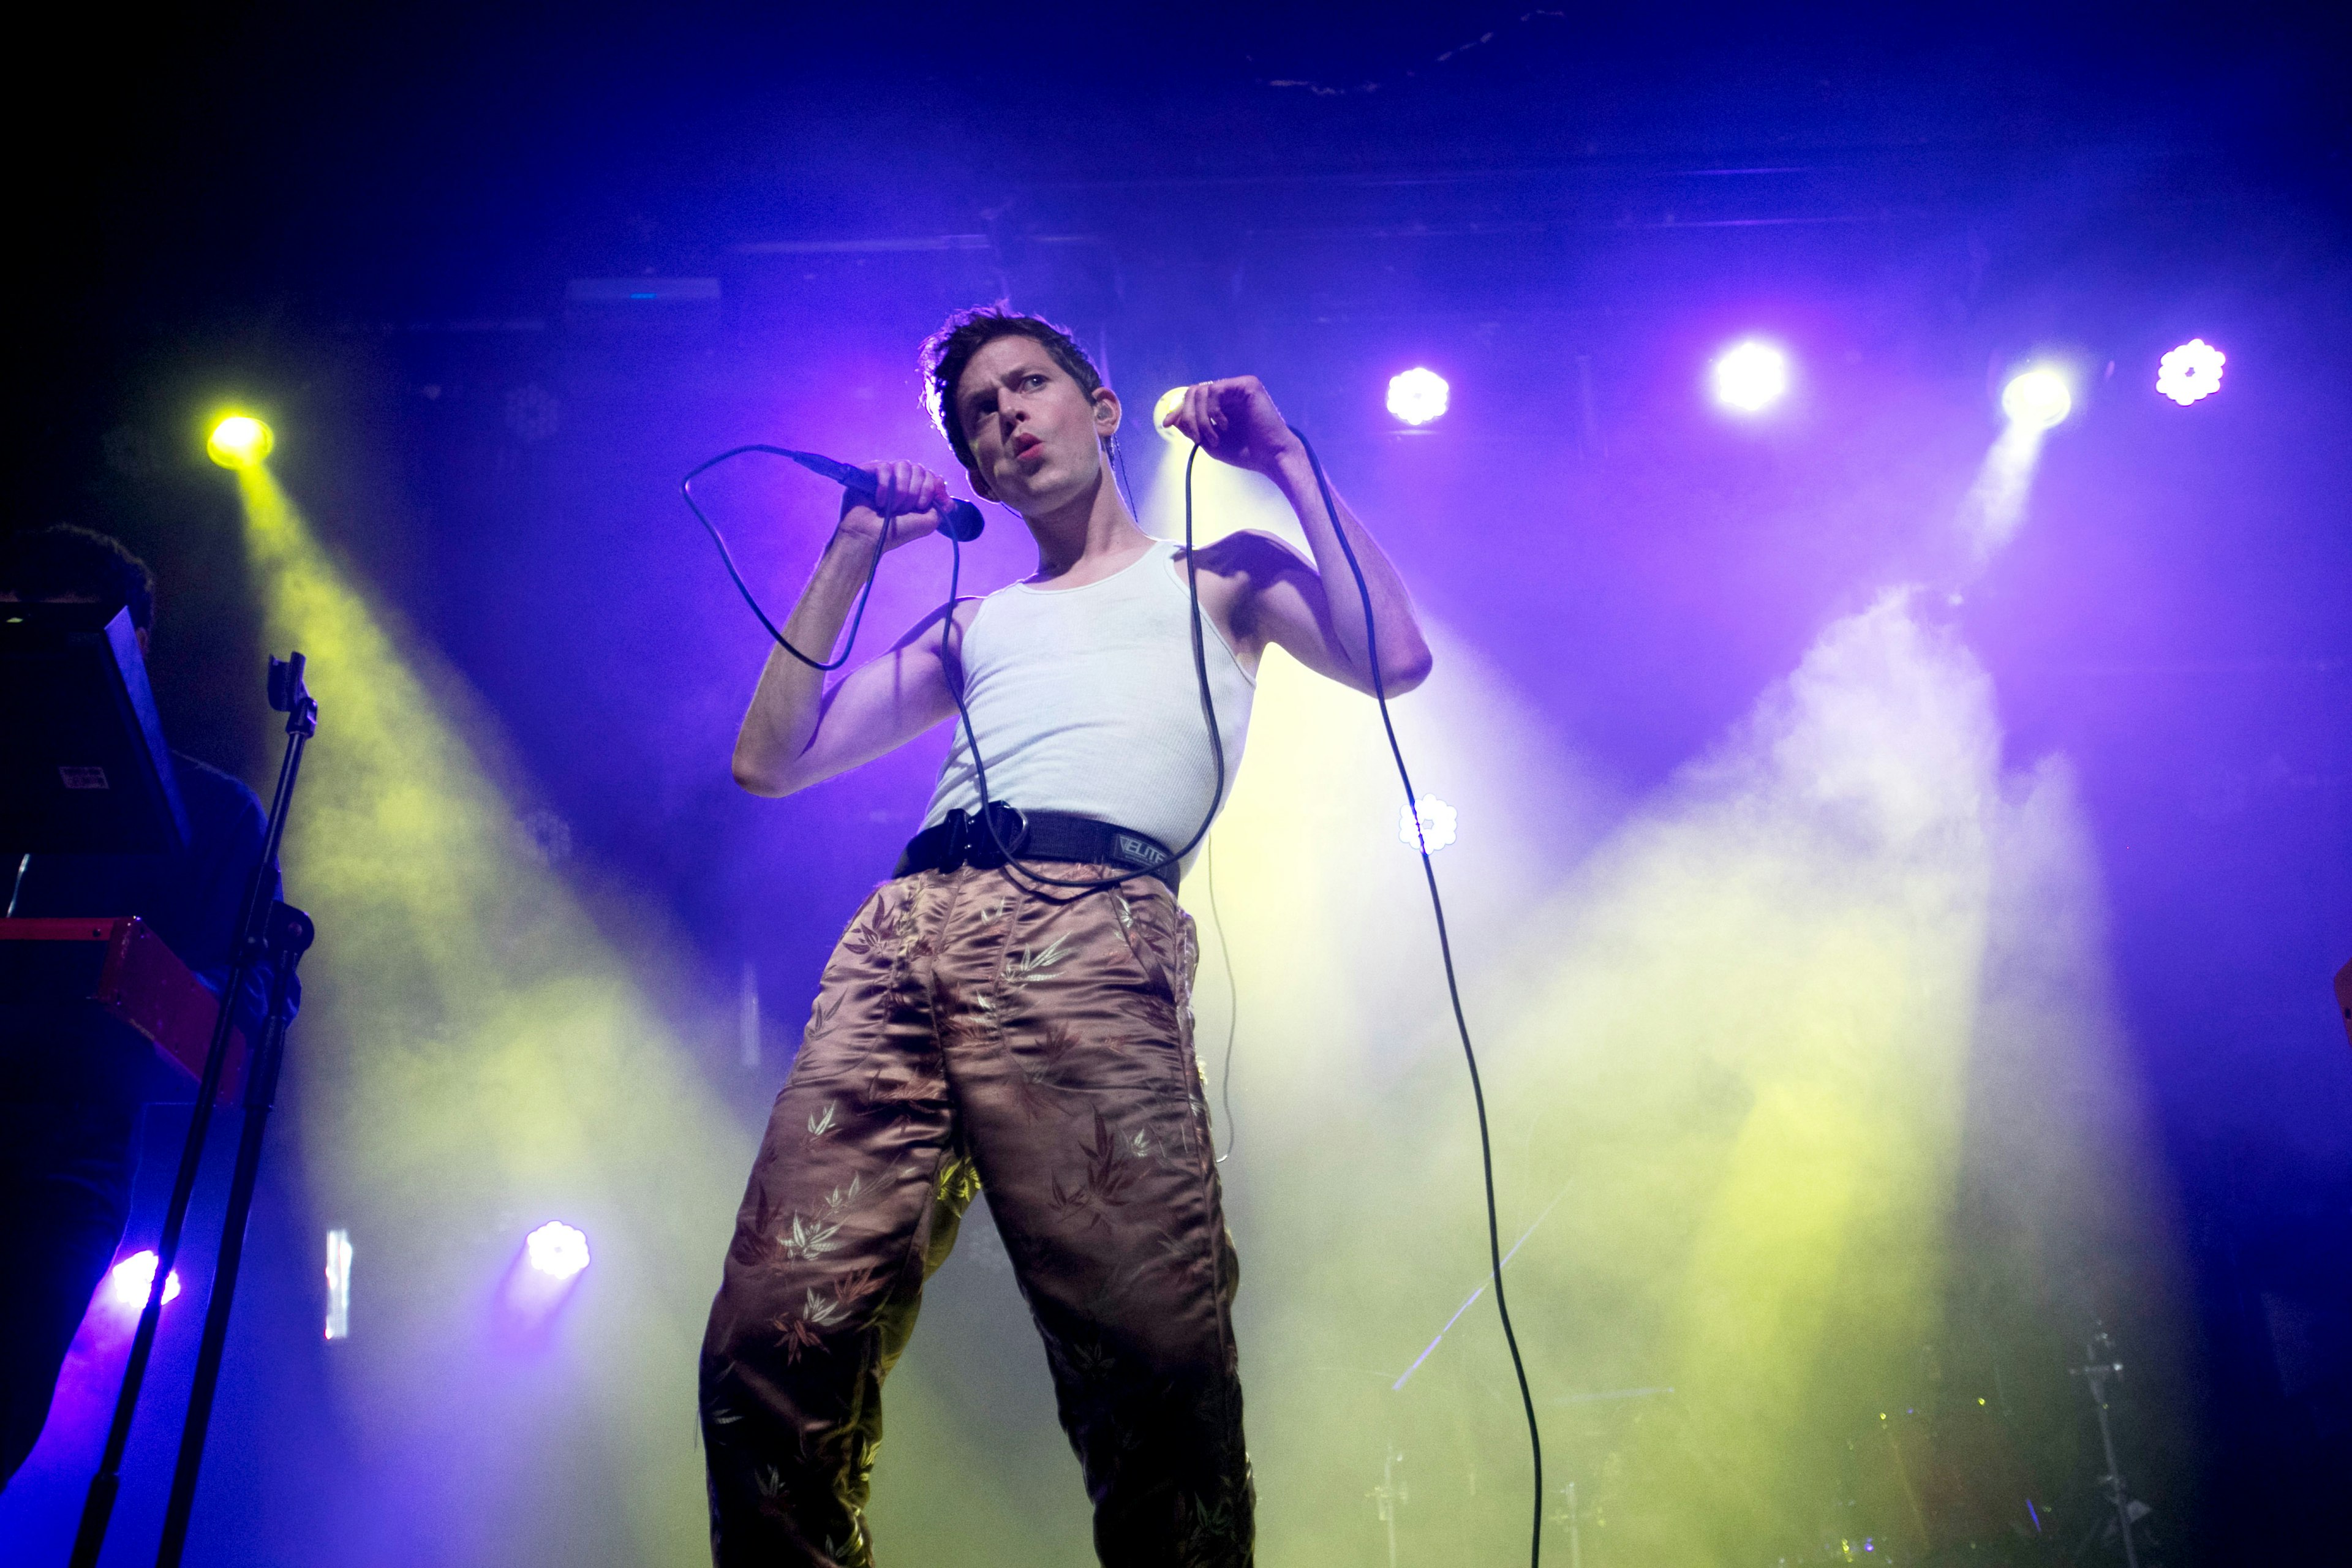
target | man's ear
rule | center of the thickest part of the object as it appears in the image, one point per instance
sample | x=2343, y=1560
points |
x=1108, y=412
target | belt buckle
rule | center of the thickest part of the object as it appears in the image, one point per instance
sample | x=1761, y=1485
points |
x=1004, y=834
x=959, y=839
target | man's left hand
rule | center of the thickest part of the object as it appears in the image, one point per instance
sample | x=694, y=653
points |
x=1234, y=421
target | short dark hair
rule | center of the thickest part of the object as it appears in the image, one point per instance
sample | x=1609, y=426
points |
x=63, y=561
x=948, y=351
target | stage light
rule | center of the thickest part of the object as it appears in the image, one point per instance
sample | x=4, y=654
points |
x=557, y=1251
x=339, y=1284
x=1418, y=395
x=128, y=1284
x=239, y=441
x=1751, y=376
x=1170, y=401
x=2037, y=399
x=2190, y=371
x=1427, y=821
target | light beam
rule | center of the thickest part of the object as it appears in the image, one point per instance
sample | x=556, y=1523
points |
x=476, y=1049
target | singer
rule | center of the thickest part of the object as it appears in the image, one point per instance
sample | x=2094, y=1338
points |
x=976, y=1026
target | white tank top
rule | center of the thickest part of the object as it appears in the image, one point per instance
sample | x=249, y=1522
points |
x=1085, y=701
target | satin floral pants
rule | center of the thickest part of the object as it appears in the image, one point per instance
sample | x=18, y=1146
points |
x=969, y=1031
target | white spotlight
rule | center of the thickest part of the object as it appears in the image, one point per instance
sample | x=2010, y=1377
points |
x=2190, y=371
x=339, y=1284
x=1426, y=822
x=128, y=1282
x=1418, y=395
x=1751, y=376
x=2037, y=399
x=1170, y=401
x=557, y=1251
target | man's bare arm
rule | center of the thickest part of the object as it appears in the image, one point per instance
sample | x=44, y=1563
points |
x=796, y=733
x=1266, y=591
x=1316, y=615
x=876, y=709
x=1319, y=616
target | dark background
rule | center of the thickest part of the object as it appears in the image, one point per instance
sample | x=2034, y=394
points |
x=362, y=225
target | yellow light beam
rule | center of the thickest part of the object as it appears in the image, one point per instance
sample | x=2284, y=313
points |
x=1749, y=1033
x=476, y=1060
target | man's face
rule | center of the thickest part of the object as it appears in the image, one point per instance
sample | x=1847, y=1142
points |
x=1034, y=435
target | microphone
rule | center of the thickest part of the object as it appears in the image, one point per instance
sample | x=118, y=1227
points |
x=961, y=521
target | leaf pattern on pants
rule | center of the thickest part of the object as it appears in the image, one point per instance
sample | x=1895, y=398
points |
x=969, y=1031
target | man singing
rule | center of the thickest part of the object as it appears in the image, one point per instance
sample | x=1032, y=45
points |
x=978, y=1027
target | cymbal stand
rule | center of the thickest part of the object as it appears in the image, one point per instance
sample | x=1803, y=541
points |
x=2100, y=1364
x=1390, y=1496
x=1567, y=1515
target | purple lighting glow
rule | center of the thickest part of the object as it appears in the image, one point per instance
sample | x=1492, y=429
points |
x=130, y=1280
x=2190, y=371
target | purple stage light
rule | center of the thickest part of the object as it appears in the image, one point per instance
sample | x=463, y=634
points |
x=1418, y=395
x=1428, y=822
x=130, y=1280
x=2190, y=371
x=557, y=1251
x=541, y=1278
x=1750, y=376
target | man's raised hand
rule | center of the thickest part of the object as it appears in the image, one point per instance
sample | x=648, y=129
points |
x=1234, y=421
x=909, y=496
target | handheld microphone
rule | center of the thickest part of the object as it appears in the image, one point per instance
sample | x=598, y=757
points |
x=962, y=520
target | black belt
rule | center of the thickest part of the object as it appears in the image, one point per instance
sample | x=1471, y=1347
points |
x=963, y=839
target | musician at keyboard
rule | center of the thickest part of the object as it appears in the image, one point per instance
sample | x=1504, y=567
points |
x=72, y=1081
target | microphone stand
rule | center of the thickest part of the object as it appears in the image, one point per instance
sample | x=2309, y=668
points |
x=260, y=923
x=290, y=935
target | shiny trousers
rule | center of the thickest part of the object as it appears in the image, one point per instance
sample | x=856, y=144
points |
x=972, y=1031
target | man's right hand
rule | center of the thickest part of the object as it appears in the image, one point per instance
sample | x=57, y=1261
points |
x=798, y=732
x=908, y=496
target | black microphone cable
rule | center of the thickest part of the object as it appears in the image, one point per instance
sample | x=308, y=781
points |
x=881, y=547
x=1452, y=991
x=1208, y=713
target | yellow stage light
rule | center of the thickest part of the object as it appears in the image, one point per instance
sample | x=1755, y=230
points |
x=239, y=441
x=2038, y=397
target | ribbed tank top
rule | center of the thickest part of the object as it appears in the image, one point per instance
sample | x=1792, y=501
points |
x=1084, y=700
